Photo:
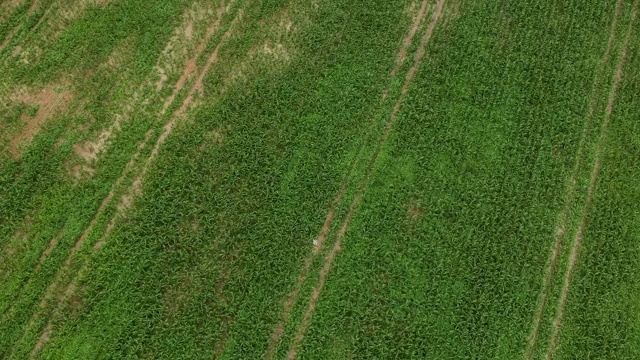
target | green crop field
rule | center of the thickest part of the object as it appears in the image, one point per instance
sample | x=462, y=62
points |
x=340, y=179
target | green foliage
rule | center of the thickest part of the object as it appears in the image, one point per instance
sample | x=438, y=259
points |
x=443, y=258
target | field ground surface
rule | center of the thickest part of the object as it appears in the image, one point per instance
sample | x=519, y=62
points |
x=341, y=179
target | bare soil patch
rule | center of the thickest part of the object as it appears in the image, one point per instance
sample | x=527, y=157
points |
x=8, y=6
x=188, y=31
x=49, y=102
x=33, y=7
x=163, y=78
x=8, y=38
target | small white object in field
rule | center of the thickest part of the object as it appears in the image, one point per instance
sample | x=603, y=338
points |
x=315, y=242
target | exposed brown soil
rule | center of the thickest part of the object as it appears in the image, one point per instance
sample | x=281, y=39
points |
x=49, y=102
x=198, y=86
x=276, y=51
x=55, y=284
x=125, y=201
x=577, y=242
x=188, y=31
x=191, y=65
x=63, y=298
x=81, y=172
x=8, y=6
x=163, y=78
x=90, y=150
x=8, y=38
x=33, y=7
x=219, y=349
x=136, y=186
x=223, y=342
x=560, y=231
x=6, y=9
x=306, y=319
x=127, y=198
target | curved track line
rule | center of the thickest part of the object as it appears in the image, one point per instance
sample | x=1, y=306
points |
x=324, y=231
x=560, y=231
x=306, y=319
x=577, y=242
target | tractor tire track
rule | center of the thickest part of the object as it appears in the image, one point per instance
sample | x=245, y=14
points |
x=191, y=65
x=577, y=242
x=326, y=226
x=53, y=287
x=291, y=354
x=134, y=187
x=560, y=231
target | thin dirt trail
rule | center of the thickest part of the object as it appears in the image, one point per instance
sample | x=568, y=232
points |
x=560, y=231
x=53, y=286
x=44, y=338
x=45, y=254
x=49, y=102
x=191, y=65
x=577, y=242
x=306, y=319
x=8, y=38
x=90, y=150
x=326, y=226
x=197, y=85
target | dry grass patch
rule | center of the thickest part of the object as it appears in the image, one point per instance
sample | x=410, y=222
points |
x=414, y=212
